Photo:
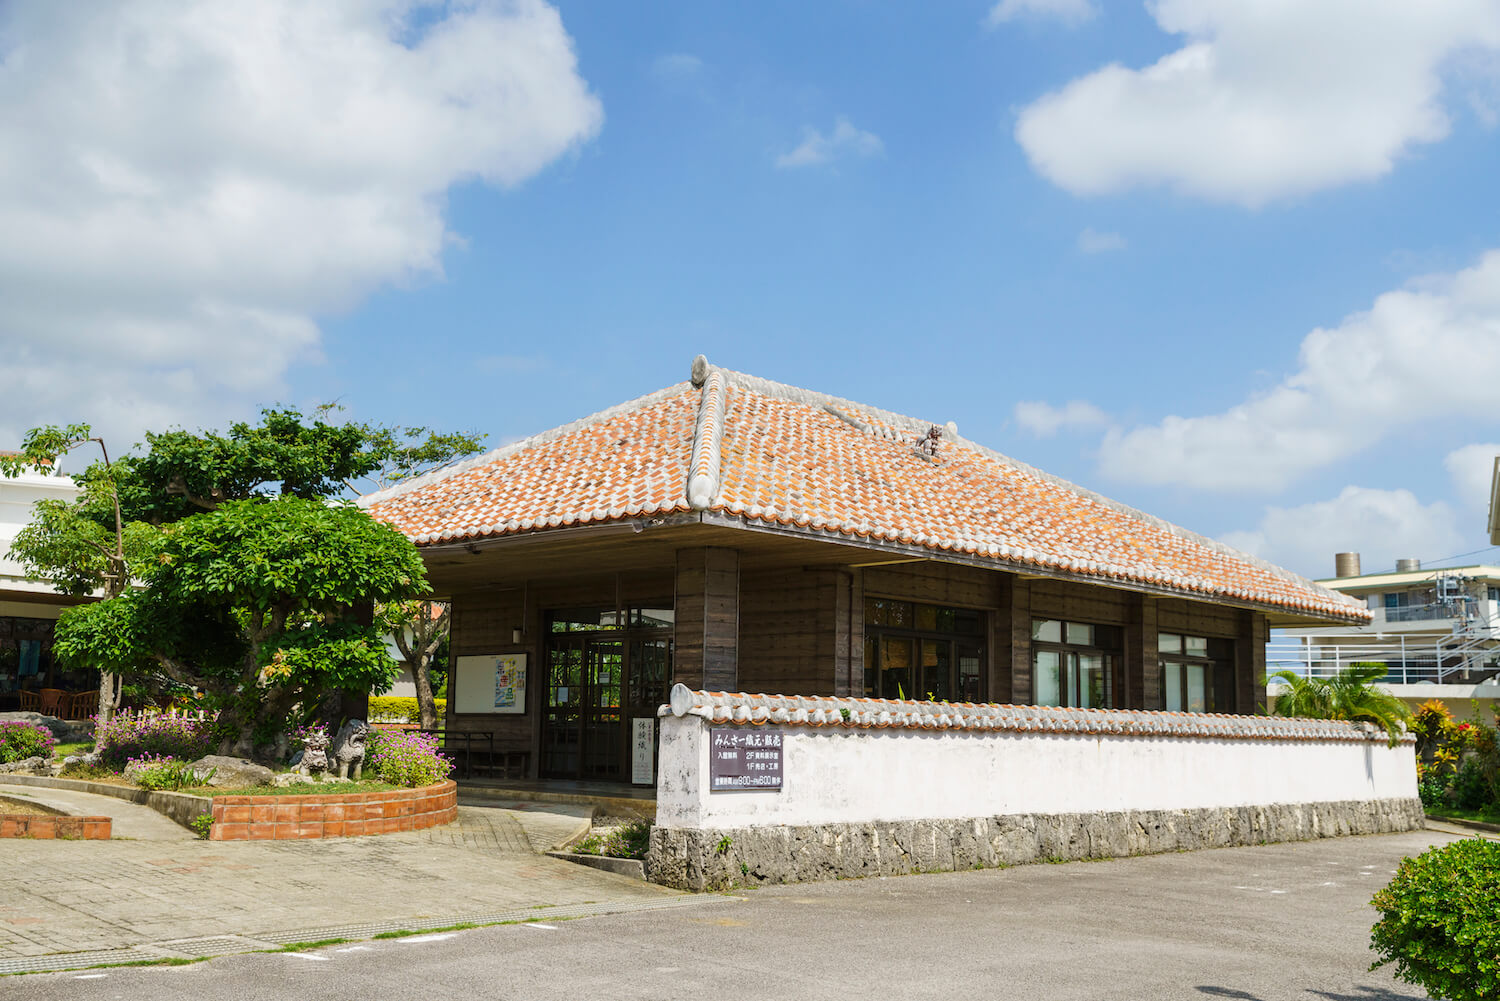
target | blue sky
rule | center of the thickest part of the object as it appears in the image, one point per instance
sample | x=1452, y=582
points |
x=1229, y=265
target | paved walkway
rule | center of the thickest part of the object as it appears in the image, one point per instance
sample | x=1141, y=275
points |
x=109, y=901
x=130, y=820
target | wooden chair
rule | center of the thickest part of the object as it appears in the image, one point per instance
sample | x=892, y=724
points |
x=54, y=702
x=31, y=701
x=82, y=705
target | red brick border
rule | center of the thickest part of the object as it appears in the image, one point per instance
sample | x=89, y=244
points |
x=49, y=828
x=283, y=818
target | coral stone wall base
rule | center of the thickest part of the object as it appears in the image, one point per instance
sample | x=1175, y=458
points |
x=283, y=818
x=709, y=859
x=21, y=825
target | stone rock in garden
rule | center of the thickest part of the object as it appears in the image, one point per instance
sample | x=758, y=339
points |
x=233, y=772
x=23, y=766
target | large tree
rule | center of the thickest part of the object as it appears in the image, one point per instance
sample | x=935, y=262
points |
x=258, y=606
x=84, y=546
x=260, y=584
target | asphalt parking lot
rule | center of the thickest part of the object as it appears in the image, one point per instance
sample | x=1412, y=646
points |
x=1262, y=923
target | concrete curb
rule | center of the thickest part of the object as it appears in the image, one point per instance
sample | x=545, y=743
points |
x=1472, y=825
x=633, y=867
x=175, y=806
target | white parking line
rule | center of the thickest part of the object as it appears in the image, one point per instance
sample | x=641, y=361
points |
x=535, y=924
x=419, y=939
x=307, y=955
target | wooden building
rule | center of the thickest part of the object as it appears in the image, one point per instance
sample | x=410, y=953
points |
x=737, y=534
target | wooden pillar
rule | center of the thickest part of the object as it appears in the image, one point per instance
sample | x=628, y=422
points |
x=1143, y=683
x=846, y=637
x=1250, y=664
x=1017, y=647
x=706, y=638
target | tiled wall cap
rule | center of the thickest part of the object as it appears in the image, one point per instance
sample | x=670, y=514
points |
x=754, y=709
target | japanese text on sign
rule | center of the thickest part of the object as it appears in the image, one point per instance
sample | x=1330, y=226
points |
x=743, y=759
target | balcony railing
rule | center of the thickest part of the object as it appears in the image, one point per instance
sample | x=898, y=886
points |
x=1422, y=613
x=1407, y=660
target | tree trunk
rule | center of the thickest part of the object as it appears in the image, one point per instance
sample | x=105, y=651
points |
x=426, y=704
x=106, y=701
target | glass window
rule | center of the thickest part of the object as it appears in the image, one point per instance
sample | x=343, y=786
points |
x=1048, y=677
x=1187, y=669
x=917, y=651
x=1080, y=634
x=1074, y=663
x=1046, y=630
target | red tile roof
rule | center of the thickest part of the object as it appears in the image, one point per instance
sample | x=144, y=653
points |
x=732, y=445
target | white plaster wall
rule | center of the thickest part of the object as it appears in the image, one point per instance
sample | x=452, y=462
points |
x=838, y=775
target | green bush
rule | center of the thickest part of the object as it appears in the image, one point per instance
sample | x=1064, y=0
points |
x=19, y=741
x=1437, y=921
x=156, y=772
x=1471, y=787
x=399, y=709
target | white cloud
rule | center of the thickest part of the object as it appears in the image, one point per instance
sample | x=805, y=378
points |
x=1263, y=100
x=676, y=66
x=1067, y=11
x=1044, y=420
x=1429, y=351
x=820, y=148
x=1381, y=525
x=1471, y=469
x=186, y=185
x=1091, y=241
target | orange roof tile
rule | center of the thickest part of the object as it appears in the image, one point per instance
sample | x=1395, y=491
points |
x=740, y=447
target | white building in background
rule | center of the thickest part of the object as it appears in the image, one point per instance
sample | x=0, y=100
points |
x=1436, y=630
x=29, y=608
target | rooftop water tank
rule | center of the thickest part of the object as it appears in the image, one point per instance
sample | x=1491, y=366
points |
x=1346, y=564
x=1408, y=566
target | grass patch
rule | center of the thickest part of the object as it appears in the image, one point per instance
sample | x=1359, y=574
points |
x=303, y=946
x=61, y=751
x=409, y=932
x=1487, y=814
x=300, y=789
x=628, y=841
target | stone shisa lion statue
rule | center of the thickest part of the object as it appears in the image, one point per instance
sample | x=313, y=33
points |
x=345, y=752
x=348, y=749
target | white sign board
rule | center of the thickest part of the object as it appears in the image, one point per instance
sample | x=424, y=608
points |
x=642, y=750
x=490, y=683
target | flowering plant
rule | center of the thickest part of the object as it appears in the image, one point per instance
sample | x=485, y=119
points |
x=20, y=740
x=158, y=771
x=128, y=735
x=408, y=758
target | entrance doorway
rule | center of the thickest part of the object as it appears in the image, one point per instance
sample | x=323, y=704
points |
x=605, y=669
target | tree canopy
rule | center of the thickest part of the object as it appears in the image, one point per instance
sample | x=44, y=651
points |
x=258, y=582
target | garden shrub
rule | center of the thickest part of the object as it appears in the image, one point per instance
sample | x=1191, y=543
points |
x=401, y=709
x=20, y=740
x=405, y=758
x=153, y=771
x=129, y=736
x=1471, y=788
x=1437, y=921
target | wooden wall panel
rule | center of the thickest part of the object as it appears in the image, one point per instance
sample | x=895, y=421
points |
x=1019, y=642
x=1056, y=599
x=706, y=648
x=935, y=584
x=1195, y=618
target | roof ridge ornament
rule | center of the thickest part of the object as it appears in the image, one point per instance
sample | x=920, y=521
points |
x=708, y=436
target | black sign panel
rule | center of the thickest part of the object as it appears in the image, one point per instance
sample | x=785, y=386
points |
x=742, y=758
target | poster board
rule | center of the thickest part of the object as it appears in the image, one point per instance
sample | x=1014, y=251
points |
x=490, y=683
